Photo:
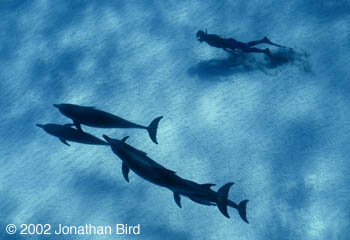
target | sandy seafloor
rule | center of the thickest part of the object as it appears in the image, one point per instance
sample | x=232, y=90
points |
x=279, y=130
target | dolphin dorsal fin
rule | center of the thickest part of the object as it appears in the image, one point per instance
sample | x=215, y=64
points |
x=125, y=138
x=208, y=185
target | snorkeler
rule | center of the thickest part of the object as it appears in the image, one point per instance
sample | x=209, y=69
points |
x=232, y=44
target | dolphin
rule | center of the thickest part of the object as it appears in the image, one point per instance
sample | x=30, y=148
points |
x=92, y=117
x=152, y=171
x=67, y=133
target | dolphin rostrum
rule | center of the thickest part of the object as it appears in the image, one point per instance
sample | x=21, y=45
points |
x=92, y=117
x=150, y=170
x=67, y=133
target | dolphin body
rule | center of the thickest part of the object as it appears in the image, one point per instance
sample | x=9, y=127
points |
x=150, y=170
x=92, y=117
x=67, y=133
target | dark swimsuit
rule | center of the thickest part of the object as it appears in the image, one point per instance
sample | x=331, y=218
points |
x=237, y=45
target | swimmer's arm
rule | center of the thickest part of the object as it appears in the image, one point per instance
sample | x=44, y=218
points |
x=230, y=51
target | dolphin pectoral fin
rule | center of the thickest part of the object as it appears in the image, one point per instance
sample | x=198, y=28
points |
x=77, y=125
x=177, y=199
x=68, y=125
x=64, y=141
x=221, y=199
x=125, y=138
x=125, y=171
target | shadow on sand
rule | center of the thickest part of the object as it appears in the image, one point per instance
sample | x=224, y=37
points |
x=239, y=62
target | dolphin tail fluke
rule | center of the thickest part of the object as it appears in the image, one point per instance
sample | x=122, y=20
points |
x=152, y=129
x=242, y=210
x=221, y=199
x=222, y=202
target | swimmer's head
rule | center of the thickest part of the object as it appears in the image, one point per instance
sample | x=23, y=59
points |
x=201, y=35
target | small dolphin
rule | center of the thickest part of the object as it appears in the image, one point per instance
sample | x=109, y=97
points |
x=67, y=133
x=92, y=117
x=150, y=170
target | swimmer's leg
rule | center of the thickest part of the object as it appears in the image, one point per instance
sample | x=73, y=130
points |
x=257, y=50
x=264, y=40
x=230, y=51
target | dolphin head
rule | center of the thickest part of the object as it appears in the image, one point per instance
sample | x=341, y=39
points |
x=61, y=106
x=108, y=139
x=115, y=141
x=40, y=125
x=65, y=108
x=116, y=144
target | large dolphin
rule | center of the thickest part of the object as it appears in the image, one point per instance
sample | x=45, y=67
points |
x=92, y=117
x=150, y=170
x=67, y=133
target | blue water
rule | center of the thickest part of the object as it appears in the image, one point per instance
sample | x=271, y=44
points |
x=279, y=131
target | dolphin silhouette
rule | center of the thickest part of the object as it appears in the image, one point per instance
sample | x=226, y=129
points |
x=92, y=117
x=150, y=170
x=67, y=133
